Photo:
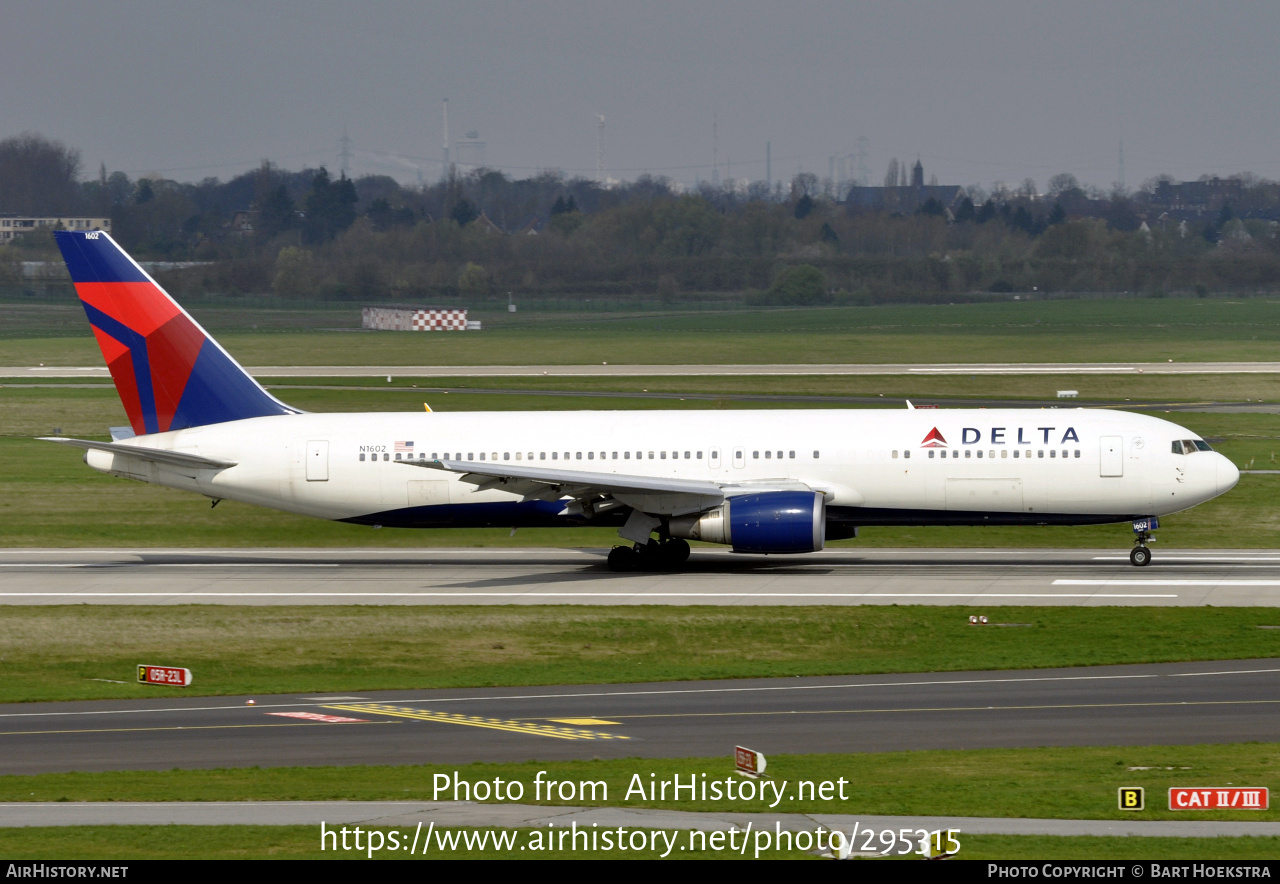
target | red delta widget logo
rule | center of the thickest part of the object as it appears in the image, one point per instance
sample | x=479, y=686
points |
x=1004, y=436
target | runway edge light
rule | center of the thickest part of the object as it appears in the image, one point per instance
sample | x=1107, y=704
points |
x=748, y=762
x=173, y=676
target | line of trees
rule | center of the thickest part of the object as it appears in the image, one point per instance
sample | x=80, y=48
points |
x=305, y=234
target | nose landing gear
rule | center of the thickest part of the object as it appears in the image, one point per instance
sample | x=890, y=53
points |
x=1140, y=556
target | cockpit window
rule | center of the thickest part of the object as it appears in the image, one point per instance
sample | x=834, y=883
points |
x=1190, y=446
x=1203, y=445
x=1177, y=446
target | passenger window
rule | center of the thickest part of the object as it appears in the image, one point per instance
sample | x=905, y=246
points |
x=482, y=455
x=1015, y=453
x=662, y=455
x=506, y=455
x=895, y=455
x=699, y=455
x=768, y=455
x=386, y=457
x=650, y=455
x=1040, y=453
x=1053, y=453
x=579, y=455
x=362, y=455
x=1004, y=453
x=555, y=455
x=815, y=454
x=755, y=455
x=930, y=452
x=397, y=455
x=615, y=455
x=626, y=455
x=793, y=455
x=686, y=455
x=904, y=454
x=991, y=454
x=1077, y=452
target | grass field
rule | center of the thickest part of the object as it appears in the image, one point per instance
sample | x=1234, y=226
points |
x=1037, y=331
x=58, y=652
x=1037, y=783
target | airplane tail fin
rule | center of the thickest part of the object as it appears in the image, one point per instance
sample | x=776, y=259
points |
x=169, y=372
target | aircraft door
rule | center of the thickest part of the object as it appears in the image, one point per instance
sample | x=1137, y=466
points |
x=318, y=460
x=739, y=457
x=713, y=458
x=1111, y=462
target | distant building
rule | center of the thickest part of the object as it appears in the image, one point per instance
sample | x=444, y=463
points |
x=12, y=226
x=1208, y=195
x=904, y=200
x=417, y=319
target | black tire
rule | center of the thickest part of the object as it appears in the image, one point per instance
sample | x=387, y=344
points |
x=1140, y=556
x=675, y=552
x=622, y=559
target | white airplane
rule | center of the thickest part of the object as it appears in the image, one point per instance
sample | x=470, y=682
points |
x=758, y=481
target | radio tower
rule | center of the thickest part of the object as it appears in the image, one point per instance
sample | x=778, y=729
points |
x=344, y=153
x=447, y=168
x=715, y=150
x=1122, y=164
x=600, y=148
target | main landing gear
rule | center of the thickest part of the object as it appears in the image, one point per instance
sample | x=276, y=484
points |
x=656, y=555
x=1140, y=556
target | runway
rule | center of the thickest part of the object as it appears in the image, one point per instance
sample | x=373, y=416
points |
x=1164, y=704
x=607, y=370
x=843, y=576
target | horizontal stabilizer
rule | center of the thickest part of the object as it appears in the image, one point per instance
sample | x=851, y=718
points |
x=157, y=455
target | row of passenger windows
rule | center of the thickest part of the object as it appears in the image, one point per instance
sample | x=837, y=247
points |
x=1004, y=453
x=578, y=455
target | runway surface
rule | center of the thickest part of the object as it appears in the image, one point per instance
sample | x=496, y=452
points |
x=845, y=576
x=1170, y=704
x=606, y=370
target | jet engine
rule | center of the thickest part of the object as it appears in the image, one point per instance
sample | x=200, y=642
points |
x=770, y=522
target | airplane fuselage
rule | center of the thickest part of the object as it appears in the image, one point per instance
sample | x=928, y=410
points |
x=874, y=467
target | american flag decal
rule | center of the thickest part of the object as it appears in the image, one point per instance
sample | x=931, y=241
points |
x=404, y=446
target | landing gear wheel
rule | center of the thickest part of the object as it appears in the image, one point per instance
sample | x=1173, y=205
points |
x=622, y=559
x=675, y=552
x=1140, y=556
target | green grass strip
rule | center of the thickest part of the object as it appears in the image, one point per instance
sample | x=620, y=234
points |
x=1039, y=783
x=57, y=652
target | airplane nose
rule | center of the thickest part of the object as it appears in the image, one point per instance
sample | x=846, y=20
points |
x=1227, y=474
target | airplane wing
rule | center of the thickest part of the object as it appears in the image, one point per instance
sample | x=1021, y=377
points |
x=591, y=493
x=158, y=455
x=594, y=493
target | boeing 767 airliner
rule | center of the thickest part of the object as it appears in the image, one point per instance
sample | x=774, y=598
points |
x=759, y=481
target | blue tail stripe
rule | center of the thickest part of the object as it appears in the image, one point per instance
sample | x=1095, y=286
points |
x=219, y=391
x=98, y=260
x=137, y=345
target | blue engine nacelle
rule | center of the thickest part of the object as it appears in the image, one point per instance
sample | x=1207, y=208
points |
x=769, y=522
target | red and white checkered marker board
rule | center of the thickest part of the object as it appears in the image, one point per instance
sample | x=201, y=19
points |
x=440, y=320
x=748, y=761
x=415, y=319
x=174, y=676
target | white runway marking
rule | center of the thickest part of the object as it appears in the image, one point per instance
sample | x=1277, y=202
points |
x=1155, y=581
x=1224, y=559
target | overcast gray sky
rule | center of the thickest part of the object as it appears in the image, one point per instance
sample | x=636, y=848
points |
x=980, y=90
